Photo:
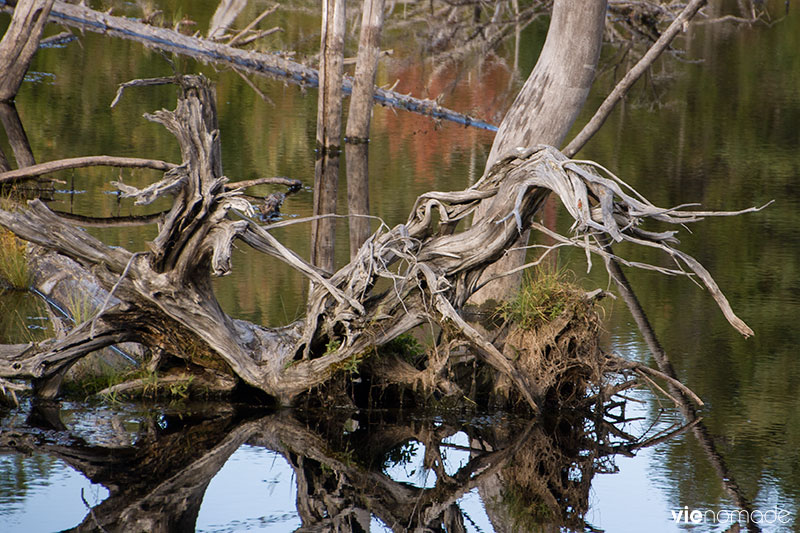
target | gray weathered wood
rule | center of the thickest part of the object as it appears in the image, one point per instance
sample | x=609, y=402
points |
x=546, y=107
x=360, y=110
x=358, y=121
x=164, y=297
x=329, y=132
x=35, y=171
x=19, y=43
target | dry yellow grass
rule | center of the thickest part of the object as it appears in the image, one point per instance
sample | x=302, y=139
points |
x=13, y=261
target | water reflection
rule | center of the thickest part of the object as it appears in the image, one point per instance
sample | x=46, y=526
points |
x=350, y=470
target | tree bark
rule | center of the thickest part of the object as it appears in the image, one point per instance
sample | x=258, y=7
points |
x=358, y=121
x=329, y=131
x=19, y=43
x=546, y=107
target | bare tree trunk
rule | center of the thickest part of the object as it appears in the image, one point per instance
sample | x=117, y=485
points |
x=329, y=130
x=546, y=107
x=20, y=43
x=358, y=120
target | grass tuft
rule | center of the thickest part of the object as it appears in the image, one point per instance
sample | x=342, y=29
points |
x=13, y=261
x=543, y=296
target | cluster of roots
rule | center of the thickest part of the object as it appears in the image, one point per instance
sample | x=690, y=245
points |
x=560, y=357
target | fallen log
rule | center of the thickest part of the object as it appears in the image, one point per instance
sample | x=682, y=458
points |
x=86, y=19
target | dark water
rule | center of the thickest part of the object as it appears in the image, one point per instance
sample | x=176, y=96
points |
x=724, y=132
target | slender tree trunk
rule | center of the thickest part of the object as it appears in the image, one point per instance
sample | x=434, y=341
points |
x=20, y=43
x=329, y=129
x=546, y=107
x=358, y=121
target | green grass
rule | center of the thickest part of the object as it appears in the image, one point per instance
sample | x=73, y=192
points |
x=544, y=295
x=80, y=307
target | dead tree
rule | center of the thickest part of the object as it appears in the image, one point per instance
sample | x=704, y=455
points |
x=358, y=121
x=163, y=297
x=20, y=43
x=547, y=105
x=329, y=130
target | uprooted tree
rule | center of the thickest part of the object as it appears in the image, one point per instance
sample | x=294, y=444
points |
x=421, y=272
x=163, y=298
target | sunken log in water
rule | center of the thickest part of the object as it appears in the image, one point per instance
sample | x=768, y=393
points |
x=163, y=298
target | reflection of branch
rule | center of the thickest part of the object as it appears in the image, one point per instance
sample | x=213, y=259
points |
x=158, y=484
x=699, y=429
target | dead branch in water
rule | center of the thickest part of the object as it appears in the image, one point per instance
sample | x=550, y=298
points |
x=83, y=18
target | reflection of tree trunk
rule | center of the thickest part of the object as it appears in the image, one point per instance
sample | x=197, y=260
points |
x=357, y=156
x=700, y=430
x=16, y=135
x=358, y=120
x=329, y=129
x=323, y=230
x=546, y=107
x=545, y=467
x=4, y=166
x=20, y=43
x=158, y=483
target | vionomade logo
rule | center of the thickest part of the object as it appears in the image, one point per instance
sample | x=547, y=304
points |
x=730, y=516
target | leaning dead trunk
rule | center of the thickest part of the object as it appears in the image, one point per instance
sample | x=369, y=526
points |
x=20, y=43
x=546, y=107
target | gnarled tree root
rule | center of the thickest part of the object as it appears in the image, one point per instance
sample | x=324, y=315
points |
x=163, y=297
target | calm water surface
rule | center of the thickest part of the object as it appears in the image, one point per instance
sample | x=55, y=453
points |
x=724, y=132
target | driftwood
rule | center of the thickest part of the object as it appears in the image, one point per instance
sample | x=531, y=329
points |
x=164, y=299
